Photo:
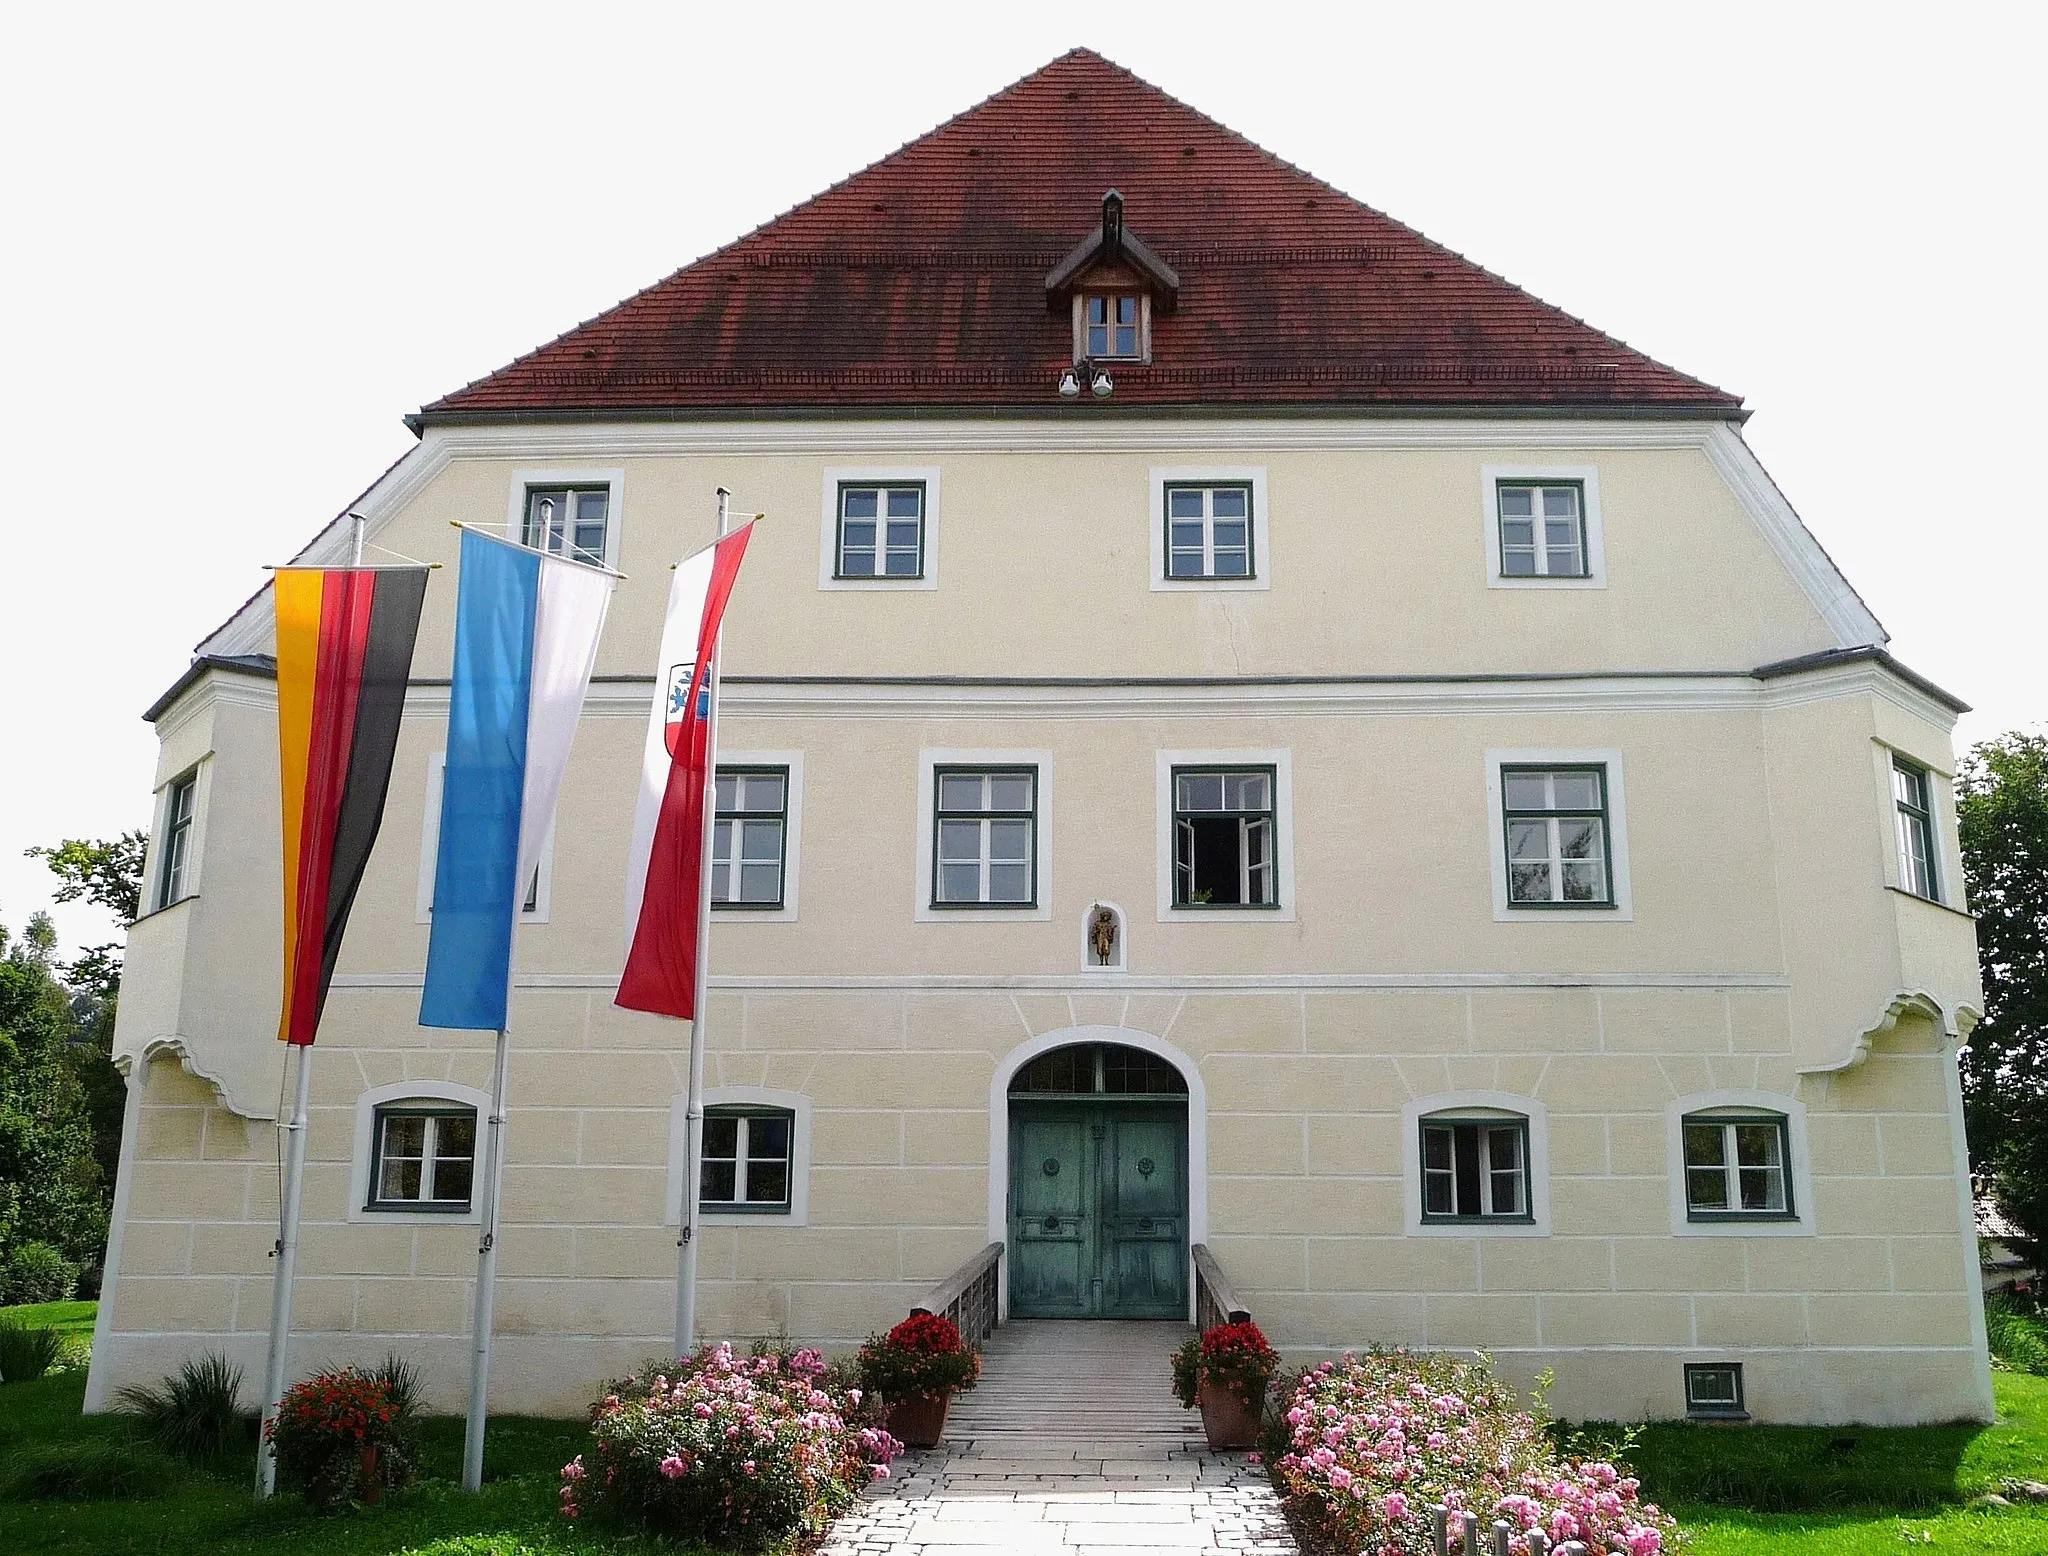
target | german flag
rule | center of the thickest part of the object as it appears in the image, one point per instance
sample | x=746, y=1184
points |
x=344, y=654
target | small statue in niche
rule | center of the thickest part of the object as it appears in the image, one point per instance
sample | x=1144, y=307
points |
x=1102, y=935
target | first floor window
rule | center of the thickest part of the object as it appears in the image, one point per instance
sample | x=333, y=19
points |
x=1735, y=1166
x=1542, y=529
x=986, y=823
x=748, y=837
x=1223, y=838
x=881, y=531
x=1209, y=531
x=568, y=521
x=425, y=1157
x=746, y=1159
x=1713, y=1389
x=177, y=845
x=1915, y=810
x=1555, y=821
x=1475, y=1169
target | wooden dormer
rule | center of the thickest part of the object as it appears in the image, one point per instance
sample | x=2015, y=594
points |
x=1113, y=282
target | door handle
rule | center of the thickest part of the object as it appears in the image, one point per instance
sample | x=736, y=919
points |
x=1144, y=1223
x=1052, y=1223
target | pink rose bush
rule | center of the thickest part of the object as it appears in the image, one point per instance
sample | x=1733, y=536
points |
x=739, y=1451
x=1378, y=1442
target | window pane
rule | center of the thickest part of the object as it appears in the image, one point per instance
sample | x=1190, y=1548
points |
x=1187, y=535
x=728, y=789
x=960, y=883
x=1232, y=564
x=1009, y=883
x=1436, y=1149
x=901, y=564
x=455, y=1136
x=1703, y=1145
x=857, y=564
x=759, y=839
x=452, y=1179
x=1098, y=340
x=763, y=791
x=1529, y=840
x=401, y=1178
x=1009, y=791
x=1585, y=882
x=1185, y=564
x=1529, y=883
x=760, y=882
x=1228, y=502
x=959, y=842
x=860, y=535
x=1577, y=791
x=1184, y=503
x=1763, y=1188
x=767, y=1182
x=903, y=534
x=719, y=1184
x=1009, y=841
x=767, y=1137
x=905, y=503
x=1524, y=791
x=405, y=1134
x=861, y=503
x=1560, y=502
x=1578, y=838
x=960, y=791
x=1127, y=310
x=1249, y=791
x=1756, y=1145
x=1126, y=341
x=1098, y=310
x=721, y=1135
x=1706, y=1188
x=1518, y=564
x=1516, y=502
x=1201, y=791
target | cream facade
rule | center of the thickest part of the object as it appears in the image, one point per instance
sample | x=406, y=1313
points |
x=1766, y=952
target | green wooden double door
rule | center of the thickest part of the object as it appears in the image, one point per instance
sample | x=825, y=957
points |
x=1098, y=1209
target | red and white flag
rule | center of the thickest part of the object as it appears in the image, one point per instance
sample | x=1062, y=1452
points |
x=664, y=872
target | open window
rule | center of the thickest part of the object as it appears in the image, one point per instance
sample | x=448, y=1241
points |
x=1224, y=826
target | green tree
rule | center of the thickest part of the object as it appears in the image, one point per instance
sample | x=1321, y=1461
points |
x=2002, y=816
x=51, y=1187
x=107, y=874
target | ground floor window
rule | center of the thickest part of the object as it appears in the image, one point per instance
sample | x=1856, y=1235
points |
x=425, y=1157
x=1475, y=1169
x=1736, y=1166
x=747, y=1160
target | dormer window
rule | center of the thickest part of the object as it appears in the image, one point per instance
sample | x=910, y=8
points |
x=1114, y=326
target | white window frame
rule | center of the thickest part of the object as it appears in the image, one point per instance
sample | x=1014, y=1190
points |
x=877, y=475
x=928, y=763
x=1587, y=479
x=792, y=836
x=1477, y=1107
x=430, y=849
x=1505, y=912
x=580, y=476
x=156, y=874
x=1253, y=476
x=1798, y=1171
x=795, y=1103
x=1281, y=761
x=398, y=1092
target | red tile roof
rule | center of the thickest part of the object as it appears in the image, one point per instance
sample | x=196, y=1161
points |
x=920, y=281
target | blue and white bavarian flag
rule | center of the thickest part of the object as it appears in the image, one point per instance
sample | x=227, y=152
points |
x=526, y=630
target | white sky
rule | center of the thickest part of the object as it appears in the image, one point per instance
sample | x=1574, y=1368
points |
x=240, y=243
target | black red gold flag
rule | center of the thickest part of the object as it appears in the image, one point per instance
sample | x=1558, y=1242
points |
x=344, y=653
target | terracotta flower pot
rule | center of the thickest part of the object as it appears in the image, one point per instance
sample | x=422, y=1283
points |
x=1229, y=1421
x=373, y=1489
x=919, y=1421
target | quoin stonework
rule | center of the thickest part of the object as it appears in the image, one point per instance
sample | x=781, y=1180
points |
x=1240, y=729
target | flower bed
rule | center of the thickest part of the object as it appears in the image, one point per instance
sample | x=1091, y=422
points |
x=1377, y=1442
x=737, y=1450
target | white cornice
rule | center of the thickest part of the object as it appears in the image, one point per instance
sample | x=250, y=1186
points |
x=1096, y=982
x=247, y=631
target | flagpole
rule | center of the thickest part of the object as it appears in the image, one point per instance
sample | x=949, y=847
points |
x=286, y=1250
x=693, y=1125
x=486, y=1264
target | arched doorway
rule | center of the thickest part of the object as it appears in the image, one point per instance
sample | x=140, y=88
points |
x=1098, y=1175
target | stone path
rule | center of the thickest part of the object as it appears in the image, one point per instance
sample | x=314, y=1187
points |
x=1072, y=1443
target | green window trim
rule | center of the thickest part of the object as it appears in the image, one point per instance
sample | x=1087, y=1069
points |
x=1555, y=859
x=1201, y=527
x=1250, y=819
x=1461, y=1161
x=987, y=815
x=1540, y=549
x=1731, y=1168
x=176, y=869
x=739, y=818
x=763, y=1139
x=883, y=524
x=436, y=1117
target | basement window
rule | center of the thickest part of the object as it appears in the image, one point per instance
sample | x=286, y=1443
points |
x=1713, y=1391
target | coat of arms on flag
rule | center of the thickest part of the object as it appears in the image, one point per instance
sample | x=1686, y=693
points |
x=676, y=704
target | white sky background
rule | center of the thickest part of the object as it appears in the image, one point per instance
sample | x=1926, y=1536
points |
x=240, y=243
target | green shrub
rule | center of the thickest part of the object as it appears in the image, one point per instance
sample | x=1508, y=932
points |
x=36, y=1272
x=27, y=1353
x=193, y=1415
x=97, y=1468
x=2019, y=1341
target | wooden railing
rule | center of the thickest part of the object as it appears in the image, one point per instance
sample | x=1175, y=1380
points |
x=1477, y=1541
x=1215, y=1302
x=968, y=1296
